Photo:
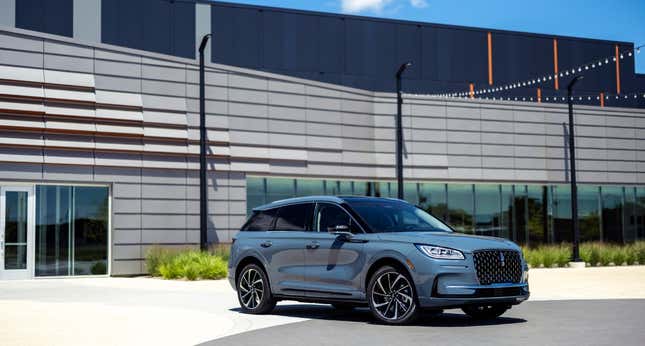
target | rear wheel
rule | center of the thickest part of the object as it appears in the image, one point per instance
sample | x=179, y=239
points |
x=253, y=291
x=485, y=312
x=391, y=296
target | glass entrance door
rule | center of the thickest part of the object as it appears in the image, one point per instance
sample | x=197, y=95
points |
x=16, y=232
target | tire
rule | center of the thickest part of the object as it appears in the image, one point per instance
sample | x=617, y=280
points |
x=391, y=296
x=485, y=312
x=254, y=292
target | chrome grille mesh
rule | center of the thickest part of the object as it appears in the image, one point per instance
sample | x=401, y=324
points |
x=498, y=266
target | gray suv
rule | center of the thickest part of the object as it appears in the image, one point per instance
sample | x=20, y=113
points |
x=383, y=253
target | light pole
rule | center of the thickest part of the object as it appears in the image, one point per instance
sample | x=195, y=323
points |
x=203, y=194
x=399, y=130
x=574, y=186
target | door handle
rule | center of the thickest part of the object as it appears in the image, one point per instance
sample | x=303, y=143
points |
x=266, y=244
x=313, y=246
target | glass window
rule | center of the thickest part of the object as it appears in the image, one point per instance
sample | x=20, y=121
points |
x=330, y=217
x=310, y=188
x=536, y=200
x=460, y=207
x=432, y=198
x=71, y=230
x=561, y=209
x=15, y=230
x=346, y=188
x=506, y=214
x=261, y=221
x=280, y=188
x=255, y=193
x=410, y=193
x=640, y=213
x=519, y=234
x=362, y=188
x=394, y=216
x=90, y=230
x=294, y=218
x=630, y=214
x=487, y=205
x=332, y=188
x=588, y=213
x=612, y=213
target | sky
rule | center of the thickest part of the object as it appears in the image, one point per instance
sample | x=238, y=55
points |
x=619, y=20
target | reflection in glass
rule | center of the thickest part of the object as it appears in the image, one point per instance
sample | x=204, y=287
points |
x=460, y=207
x=488, y=217
x=53, y=230
x=561, y=209
x=612, y=213
x=310, y=187
x=256, y=193
x=521, y=215
x=15, y=230
x=640, y=213
x=506, y=215
x=280, y=188
x=527, y=214
x=432, y=198
x=588, y=213
x=90, y=230
x=536, y=210
x=71, y=230
x=630, y=214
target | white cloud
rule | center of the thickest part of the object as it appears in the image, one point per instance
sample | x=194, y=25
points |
x=354, y=6
x=419, y=3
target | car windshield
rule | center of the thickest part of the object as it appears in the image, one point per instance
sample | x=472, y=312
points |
x=394, y=216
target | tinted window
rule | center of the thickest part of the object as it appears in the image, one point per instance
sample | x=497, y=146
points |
x=296, y=218
x=393, y=216
x=261, y=221
x=329, y=216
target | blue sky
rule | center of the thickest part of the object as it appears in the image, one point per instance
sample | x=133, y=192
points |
x=621, y=20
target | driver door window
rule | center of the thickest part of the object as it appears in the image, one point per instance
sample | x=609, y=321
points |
x=329, y=216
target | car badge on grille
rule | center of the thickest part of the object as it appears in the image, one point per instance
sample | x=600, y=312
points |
x=502, y=261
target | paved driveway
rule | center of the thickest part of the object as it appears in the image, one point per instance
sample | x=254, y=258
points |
x=143, y=311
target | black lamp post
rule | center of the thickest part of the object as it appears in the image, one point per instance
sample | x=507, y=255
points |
x=574, y=186
x=399, y=130
x=203, y=194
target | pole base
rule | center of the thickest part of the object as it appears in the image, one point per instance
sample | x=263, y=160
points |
x=577, y=265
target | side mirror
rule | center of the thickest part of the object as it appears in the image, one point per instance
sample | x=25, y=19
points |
x=341, y=231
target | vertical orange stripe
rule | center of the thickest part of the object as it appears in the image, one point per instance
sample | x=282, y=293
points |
x=539, y=95
x=472, y=90
x=617, y=71
x=555, y=63
x=602, y=99
x=490, y=58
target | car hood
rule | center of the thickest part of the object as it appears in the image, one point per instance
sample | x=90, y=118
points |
x=458, y=241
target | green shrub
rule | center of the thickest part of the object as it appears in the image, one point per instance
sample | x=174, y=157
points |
x=187, y=264
x=594, y=253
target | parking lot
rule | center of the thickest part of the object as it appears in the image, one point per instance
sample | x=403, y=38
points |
x=567, y=306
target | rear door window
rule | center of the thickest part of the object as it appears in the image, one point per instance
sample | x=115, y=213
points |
x=261, y=221
x=294, y=218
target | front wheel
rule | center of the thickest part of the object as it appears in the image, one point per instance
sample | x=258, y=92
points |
x=485, y=312
x=392, y=297
x=253, y=291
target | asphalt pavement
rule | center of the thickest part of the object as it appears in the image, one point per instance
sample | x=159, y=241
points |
x=568, y=322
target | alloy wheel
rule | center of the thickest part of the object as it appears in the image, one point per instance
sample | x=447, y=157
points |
x=392, y=296
x=251, y=289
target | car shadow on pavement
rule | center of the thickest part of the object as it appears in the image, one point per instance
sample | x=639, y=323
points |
x=363, y=315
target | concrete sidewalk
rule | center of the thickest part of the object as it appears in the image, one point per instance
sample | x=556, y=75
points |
x=122, y=311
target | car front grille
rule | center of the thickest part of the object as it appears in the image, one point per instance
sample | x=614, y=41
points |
x=498, y=266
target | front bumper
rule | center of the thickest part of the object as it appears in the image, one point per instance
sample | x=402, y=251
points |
x=454, y=283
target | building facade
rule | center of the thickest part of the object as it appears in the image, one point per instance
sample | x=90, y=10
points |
x=99, y=144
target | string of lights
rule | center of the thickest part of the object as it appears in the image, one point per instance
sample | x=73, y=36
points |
x=586, y=97
x=593, y=64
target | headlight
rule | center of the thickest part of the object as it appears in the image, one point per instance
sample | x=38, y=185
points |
x=441, y=252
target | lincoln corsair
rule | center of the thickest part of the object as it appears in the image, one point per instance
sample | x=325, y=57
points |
x=386, y=254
